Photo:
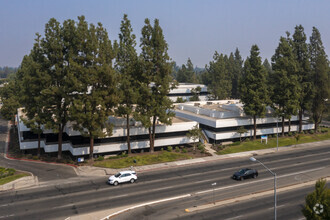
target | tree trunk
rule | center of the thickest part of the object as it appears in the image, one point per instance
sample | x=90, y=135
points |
x=153, y=132
x=39, y=144
x=289, y=124
x=60, y=132
x=316, y=127
x=254, y=127
x=283, y=126
x=128, y=136
x=91, y=147
x=150, y=141
x=300, y=120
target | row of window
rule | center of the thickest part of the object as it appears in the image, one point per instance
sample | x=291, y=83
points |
x=248, y=127
x=80, y=140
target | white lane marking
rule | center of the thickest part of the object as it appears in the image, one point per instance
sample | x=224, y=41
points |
x=4, y=205
x=201, y=192
x=6, y=216
x=234, y=217
x=278, y=206
x=71, y=204
x=233, y=168
x=168, y=187
x=269, y=178
x=144, y=204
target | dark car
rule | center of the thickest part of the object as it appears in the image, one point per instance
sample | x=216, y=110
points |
x=245, y=173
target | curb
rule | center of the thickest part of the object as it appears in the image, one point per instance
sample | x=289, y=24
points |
x=23, y=182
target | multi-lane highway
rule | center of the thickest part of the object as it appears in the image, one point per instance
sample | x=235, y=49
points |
x=193, y=183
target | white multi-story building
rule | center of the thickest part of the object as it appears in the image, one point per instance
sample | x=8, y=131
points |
x=77, y=145
x=220, y=120
x=184, y=91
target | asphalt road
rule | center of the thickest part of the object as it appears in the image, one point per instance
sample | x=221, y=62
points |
x=64, y=200
x=289, y=206
x=44, y=171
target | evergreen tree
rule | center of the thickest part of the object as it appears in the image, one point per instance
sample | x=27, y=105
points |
x=317, y=205
x=231, y=70
x=195, y=93
x=33, y=81
x=155, y=80
x=220, y=86
x=268, y=68
x=300, y=49
x=320, y=70
x=253, y=88
x=187, y=74
x=238, y=72
x=10, y=98
x=126, y=65
x=96, y=83
x=285, y=84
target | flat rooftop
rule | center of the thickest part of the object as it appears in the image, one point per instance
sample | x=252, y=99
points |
x=218, y=109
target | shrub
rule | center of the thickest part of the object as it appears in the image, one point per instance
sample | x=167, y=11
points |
x=235, y=143
x=184, y=150
x=29, y=156
x=100, y=158
x=324, y=130
x=35, y=158
x=221, y=147
x=162, y=149
x=4, y=172
x=169, y=149
x=200, y=147
x=177, y=149
x=311, y=131
x=290, y=134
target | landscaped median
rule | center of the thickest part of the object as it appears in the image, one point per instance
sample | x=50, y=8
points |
x=272, y=142
x=141, y=159
x=13, y=179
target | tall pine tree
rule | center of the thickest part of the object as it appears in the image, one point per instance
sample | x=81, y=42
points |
x=253, y=88
x=95, y=83
x=220, y=86
x=126, y=65
x=285, y=85
x=155, y=80
x=320, y=70
x=300, y=49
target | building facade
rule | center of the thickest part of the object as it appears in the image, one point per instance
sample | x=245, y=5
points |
x=220, y=120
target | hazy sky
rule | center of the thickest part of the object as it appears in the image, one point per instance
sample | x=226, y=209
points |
x=192, y=28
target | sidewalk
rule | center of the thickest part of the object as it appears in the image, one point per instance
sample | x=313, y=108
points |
x=99, y=171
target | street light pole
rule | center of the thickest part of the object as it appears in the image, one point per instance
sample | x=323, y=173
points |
x=274, y=174
x=213, y=184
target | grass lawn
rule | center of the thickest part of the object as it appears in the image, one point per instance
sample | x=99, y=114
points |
x=282, y=141
x=146, y=159
x=12, y=178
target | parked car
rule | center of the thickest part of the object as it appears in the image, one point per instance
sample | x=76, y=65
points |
x=245, y=173
x=122, y=177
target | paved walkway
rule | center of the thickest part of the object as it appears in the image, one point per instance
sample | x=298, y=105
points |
x=208, y=148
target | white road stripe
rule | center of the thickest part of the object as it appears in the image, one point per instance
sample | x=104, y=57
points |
x=144, y=204
x=201, y=192
x=262, y=180
x=234, y=217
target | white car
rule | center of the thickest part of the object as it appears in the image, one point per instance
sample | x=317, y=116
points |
x=122, y=177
